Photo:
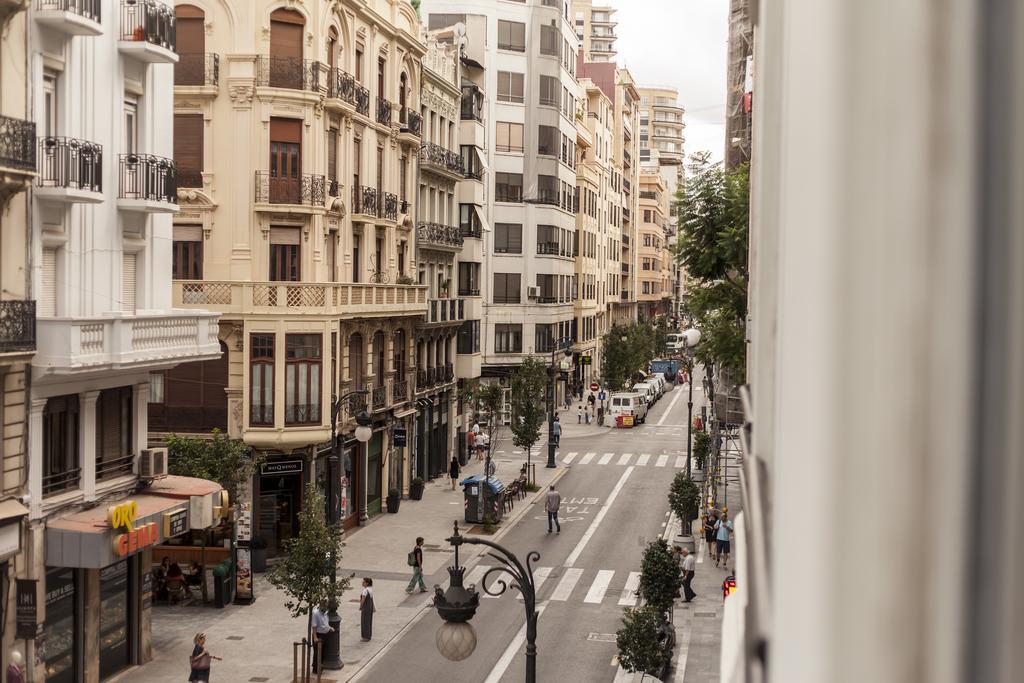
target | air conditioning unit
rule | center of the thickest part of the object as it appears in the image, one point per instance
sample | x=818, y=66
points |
x=532, y=292
x=153, y=463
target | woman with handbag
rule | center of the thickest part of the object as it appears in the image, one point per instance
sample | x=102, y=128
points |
x=366, y=609
x=200, y=659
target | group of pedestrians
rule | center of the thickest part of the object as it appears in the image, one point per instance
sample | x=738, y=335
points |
x=718, y=530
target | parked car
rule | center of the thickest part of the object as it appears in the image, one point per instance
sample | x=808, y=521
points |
x=649, y=390
x=659, y=381
x=626, y=403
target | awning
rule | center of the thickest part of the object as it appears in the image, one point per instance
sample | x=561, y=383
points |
x=11, y=514
x=12, y=511
x=484, y=225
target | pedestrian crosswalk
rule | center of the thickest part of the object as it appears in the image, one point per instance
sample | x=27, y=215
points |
x=642, y=460
x=572, y=584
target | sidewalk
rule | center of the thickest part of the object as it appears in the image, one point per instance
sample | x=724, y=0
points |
x=256, y=640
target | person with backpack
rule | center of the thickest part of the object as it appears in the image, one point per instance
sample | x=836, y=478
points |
x=416, y=562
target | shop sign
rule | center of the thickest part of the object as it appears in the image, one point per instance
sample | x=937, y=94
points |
x=133, y=538
x=398, y=437
x=175, y=523
x=147, y=590
x=26, y=611
x=282, y=467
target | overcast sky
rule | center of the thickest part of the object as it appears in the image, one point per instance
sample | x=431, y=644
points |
x=680, y=43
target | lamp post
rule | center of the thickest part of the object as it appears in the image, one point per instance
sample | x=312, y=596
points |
x=559, y=343
x=331, y=656
x=691, y=338
x=456, y=638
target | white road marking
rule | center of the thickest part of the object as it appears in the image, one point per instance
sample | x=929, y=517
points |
x=642, y=460
x=605, y=459
x=600, y=585
x=569, y=458
x=669, y=410
x=564, y=588
x=511, y=652
x=624, y=460
x=474, y=576
x=575, y=554
x=662, y=461
x=629, y=596
x=702, y=553
x=585, y=460
x=680, y=461
x=540, y=575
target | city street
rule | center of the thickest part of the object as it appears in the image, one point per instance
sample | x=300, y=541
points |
x=613, y=504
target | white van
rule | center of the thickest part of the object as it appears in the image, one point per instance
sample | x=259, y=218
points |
x=675, y=342
x=659, y=381
x=647, y=389
x=627, y=404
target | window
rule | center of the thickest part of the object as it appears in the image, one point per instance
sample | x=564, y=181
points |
x=131, y=125
x=129, y=263
x=439, y=21
x=471, y=166
x=547, y=239
x=469, y=220
x=511, y=36
x=50, y=103
x=332, y=159
x=547, y=140
x=510, y=136
x=469, y=337
x=508, y=187
x=469, y=278
x=508, y=238
x=508, y=338
x=549, y=89
x=506, y=288
x=188, y=149
x=261, y=380
x=543, y=338
x=284, y=254
x=359, y=64
x=61, y=465
x=547, y=189
x=302, y=378
x=510, y=87
x=549, y=289
x=398, y=355
x=114, y=432
x=550, y=40
x=378, y=358
x=187, y=253
x=356, y=364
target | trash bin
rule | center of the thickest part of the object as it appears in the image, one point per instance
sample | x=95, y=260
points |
x=492, y=505
x=222, y=593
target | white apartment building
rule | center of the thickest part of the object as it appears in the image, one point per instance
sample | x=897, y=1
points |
x=528, y=52
x=595, y=29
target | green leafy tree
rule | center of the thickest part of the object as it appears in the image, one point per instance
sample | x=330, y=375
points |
x=304, y=572
x=637, y=641
x=701, y=448
x=529, y=404
x=627, y=350
x=713, y=211
x=227, y=461
x=490, y=398
x=660, y=577
x=684, y=498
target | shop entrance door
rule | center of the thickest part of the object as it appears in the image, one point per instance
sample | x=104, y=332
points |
x=350, y=480
x=373, y=474
x=115, y=618
x=280, y=502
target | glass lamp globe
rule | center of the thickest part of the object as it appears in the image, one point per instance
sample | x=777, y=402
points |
x=363, y=433
x=455, y=640
x=692, y=337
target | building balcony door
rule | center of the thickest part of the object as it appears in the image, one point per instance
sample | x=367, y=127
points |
x=285, y=161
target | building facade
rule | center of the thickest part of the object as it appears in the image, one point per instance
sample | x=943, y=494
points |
x=297, y=133
x=655, y=275
x=595, y=29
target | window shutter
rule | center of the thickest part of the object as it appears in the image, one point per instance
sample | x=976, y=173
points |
x=189, y=34
x=286, y=34
x=128, y=282
x=48, y=298
x=188, y=142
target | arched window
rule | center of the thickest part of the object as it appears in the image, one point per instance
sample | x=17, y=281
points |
x=332, y=48
x=403, y=87
x=398, y=356
x=190, y=44
x=378, y=358
x=284, y=69
x=356, y=365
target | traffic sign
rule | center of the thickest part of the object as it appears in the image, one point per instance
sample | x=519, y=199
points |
x=594, y=386
x=602, y=396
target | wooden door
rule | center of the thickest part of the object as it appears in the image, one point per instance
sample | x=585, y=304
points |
x=285, y=161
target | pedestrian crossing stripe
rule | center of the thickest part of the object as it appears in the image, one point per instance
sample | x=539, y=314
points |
x=599, y=586
x=603, y=587
x=540, y=575
x=605, y=458
x=587, y=458
x=680, y=461
x=564, y=588
x=625, y=458
x=629, y=595
x=642, y=460
x=662, y=461
x=569, y=457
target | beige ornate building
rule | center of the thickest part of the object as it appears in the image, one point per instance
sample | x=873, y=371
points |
x=297, y=130
x=655, y=272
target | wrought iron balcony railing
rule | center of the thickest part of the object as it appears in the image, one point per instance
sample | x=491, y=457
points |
x=438, y=234
x=90, y=9
x=341, y=86
x=437, y=155
x=399, y=392
x=379, y=397
x=383, y=111
x=410, y=121
x=197, y=69
x=362, y=100
x=70, y=163
x=364, y=200
x=17, y=144
x=149, y=177
x=626, y=185
x=149, y=21
x=17, y=326
x=306, y=189
x=389, y=207
x=290, y=73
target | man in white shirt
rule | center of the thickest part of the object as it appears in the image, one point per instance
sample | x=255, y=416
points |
x=689, y=567
x=321, y=627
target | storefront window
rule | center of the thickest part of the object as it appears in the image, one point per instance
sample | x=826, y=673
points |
x=59, y=628
x=114, y=590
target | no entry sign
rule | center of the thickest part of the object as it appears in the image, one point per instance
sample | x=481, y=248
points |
x=594, y=386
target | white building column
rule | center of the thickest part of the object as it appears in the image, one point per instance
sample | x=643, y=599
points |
x=87, y=442
x=140, y=421
x=34, y=456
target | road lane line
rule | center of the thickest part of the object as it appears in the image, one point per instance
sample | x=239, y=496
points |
x=540, y=575
x=668, y=411
x=624, y=460
x=600, y=585
x=511, y=652
x=585, y=460
x=629, y=596
x=575, y=554
x=642, y=460
x=564, y=588
x=662, y=461
x=680, y=462
x=605, y=459
x=569, y=458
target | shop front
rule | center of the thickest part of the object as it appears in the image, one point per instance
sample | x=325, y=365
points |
x=374, y=473
x=279, y=496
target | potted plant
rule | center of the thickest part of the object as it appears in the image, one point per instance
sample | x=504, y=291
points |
x=394, y=498
x=416, y=488
x=684, y=499
x=258, y=545
x=405, y=280
x=444, y=288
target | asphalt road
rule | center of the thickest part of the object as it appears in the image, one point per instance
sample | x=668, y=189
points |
x=588, y=569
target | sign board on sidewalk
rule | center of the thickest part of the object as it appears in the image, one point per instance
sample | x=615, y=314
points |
x=398, y=437
x=594, y=386
x=26, y=610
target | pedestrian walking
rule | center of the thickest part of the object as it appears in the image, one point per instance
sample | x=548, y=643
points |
x=366, y=609
x=453, y=470
x=689, y=568
x=556, y=430
x=489, y=468
x=710, y=519
x=588, y=415
x=723, y=529
x=470, y=443
x=416, y=562
x=321, y=627
x=200, y=659
x=579, y=414
x=553, y=502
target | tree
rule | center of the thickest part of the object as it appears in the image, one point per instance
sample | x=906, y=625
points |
x=227, y=461
x=529, y=407
x=701, y=448
x=660, y=578
x=712, y=207
x=304, y=572
x=637, y=641
x=490, y=398
x=627, y=350
x=684, y=497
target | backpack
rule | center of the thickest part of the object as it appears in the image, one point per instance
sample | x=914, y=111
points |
x=412, y=558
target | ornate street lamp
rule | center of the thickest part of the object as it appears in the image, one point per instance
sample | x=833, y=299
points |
x=565, y=342
x=691, y=338
x=456, y=638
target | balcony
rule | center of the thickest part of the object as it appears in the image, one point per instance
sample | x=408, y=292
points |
x=627, y=214
x=548, y=248
x=362, y=96
x=198, y=70
x=446, y=311
x=625, y=268
x=300, y=299
x=148, y=31
x=148, y=183
x=439, y=236
x=433, y=377
x=17, y=329
x=341, y=88
x=438, y=158
x=72, y=17
x=67, y=346
x=399, y=392
x=627, y=158
x=546, y=197
x=383, y=112
x=364, y=200
x=17, y=155
x=410, y=121
x=70, y=171
x=290, y=74
x=378, y=397
x=307, y=190
x=646, y=194
x=472, y=106
x=626, y=185
x=472, y=227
